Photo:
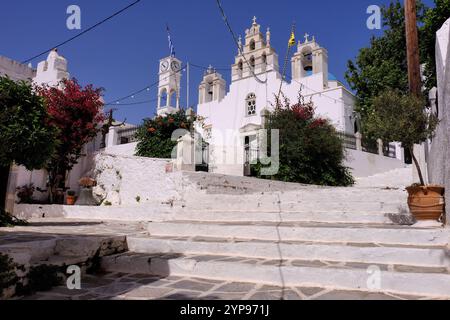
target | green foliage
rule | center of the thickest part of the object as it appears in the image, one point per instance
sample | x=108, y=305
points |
x=8, y=273
x=311, y=150
x=155, y=136
x=25, y=194
x=383, y=64
x=433, y=20
x=400, y=117
x=42, y=278
x=26, y=137
x=6, y=220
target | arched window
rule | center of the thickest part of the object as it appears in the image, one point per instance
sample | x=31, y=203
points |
x=264, y=62
x=307, y=59
x=173, y=98
x=252, y=45
x=240, y=68
x=210, y=92
x=163, y=98
x=250, y=104
x=252, y=62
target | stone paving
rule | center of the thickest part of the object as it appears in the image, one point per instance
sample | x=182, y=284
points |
x=119, y=286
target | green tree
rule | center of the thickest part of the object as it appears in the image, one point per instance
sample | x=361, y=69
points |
x=27, y=139
x=384, y=63
x=155, y=136
x=401, y=117
x=311, y=151
x=433, y=20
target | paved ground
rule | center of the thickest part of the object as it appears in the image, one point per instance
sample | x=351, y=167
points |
x=119, y=286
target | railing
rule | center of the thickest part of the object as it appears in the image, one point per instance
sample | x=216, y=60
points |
x=357, y=142
x=348, y=140
x=127, y=135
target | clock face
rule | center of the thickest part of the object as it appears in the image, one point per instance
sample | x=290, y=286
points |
x=164, y=65
x=175, y=66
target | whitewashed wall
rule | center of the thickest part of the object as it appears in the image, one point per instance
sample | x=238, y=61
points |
x=364, y=164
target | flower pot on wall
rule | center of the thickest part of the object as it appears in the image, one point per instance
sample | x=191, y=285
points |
x=70, y=200
x=426, y=202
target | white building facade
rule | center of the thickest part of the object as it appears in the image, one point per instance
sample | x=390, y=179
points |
x=231, y=120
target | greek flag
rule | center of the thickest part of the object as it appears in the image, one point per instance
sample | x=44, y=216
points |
x=171, y=47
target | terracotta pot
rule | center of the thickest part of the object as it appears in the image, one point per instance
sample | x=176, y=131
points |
x=70, y=200
x=426, y=202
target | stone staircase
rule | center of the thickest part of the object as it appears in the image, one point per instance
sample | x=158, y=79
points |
x=333, y=238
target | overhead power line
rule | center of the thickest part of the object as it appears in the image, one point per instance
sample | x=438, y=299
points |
x=147, y=88
x=225, y=19
x=83, y=32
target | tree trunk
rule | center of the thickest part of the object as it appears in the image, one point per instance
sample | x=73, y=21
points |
x=4, y=177
x=416, y=163
x=412, y=46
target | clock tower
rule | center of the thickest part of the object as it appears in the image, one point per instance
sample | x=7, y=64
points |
x=169, y=86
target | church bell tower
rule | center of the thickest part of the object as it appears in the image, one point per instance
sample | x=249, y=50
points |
x=310, y=60
x=169, y=86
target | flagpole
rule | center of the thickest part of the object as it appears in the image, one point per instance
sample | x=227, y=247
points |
x=187, y=85
x=283, y=75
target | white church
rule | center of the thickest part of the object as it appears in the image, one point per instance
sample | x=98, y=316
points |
x=229, y=122
x=232, y=119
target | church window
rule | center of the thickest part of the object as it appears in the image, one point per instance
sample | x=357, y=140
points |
x=307, y=59
x=172, y=101
x=240, y=68
x=252, y=45
x=251, y=104
x=163, y=98
x=210, y=92
x=252, y=62
x=264, y=62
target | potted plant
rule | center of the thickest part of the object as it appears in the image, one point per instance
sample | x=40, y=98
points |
x=71, y=198
x=403, y=118
x=86, y=197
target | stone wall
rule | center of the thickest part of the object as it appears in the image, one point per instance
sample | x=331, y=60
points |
x=128, y=180
x=15, y=70
x=439, y=162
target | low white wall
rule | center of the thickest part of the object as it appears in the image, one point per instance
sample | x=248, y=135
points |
x=127, y=180
x=128, y=149
x=364, y=164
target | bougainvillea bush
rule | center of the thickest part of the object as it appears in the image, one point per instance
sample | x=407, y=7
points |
x=77, y=113
x=155, y=136
x=311, y=151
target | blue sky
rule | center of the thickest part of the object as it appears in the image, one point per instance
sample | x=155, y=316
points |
x=122, y=55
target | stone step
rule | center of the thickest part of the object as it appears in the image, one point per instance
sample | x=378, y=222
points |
x=343, y=234
x=283, y=273
x=166, y=214
x=402, y=257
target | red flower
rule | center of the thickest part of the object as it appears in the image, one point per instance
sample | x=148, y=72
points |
x=318, y=123
x=151, y=130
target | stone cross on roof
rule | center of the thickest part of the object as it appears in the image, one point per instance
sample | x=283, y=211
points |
x=254, y=20
x=306, y=37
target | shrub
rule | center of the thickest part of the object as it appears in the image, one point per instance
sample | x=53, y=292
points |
x=7, y=220
x=403, y=118
x=155, y=136
x=311, y=150
x=8, y=273
x=25, y=194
